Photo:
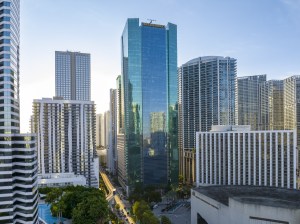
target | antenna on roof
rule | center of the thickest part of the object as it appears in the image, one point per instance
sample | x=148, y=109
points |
x=151, y=20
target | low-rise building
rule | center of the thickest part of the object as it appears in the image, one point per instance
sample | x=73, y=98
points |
x=60, y=180
x=245, y=204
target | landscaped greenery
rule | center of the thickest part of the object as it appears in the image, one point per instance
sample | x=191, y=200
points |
x=82, y=204
x=165, y=220
x=142, y=213
x=148, y=194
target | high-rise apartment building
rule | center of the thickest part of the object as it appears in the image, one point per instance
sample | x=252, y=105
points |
x=235, y=155
x=66, y=141
x=291, y=100
x=271, y=105
x=149, y=83
x=72, y=75
x=207, y=93
x=18, y=157
x=247, y=100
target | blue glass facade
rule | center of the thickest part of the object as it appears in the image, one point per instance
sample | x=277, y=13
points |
x=149, y=70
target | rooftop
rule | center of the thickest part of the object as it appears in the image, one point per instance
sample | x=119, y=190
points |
x=268, y=196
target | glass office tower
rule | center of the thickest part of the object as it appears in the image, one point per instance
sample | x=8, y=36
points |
x=73, y=75
x=18, y=157
x=149, y=70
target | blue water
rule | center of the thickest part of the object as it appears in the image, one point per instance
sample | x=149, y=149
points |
x=45, y=214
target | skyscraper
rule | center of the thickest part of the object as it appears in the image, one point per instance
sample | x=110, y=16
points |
x=271, y=105
x=66, y=140
x=18, y=157
x=149, y=79
x=112, y=145
x=207, y=94
x=247, y=101
x=72, y=75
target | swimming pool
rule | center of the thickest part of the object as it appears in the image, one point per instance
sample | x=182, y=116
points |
x=45, y=214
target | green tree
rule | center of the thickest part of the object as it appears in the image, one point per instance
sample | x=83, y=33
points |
x=117, y=206
x=54, y=195
x=139, y=207
x=90, y=211
x=149, y=218
x=180, y=181
x=165, y=220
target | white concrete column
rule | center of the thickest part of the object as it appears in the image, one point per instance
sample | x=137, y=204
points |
x=215, y=159
x=224, y=156
x=202, y=159
x=282, y=160
x=229, y=159
x=254, y=159
x=295, y=156
x=206, y=158
x=197, y=159
x=233, y=158
x=210, y=158
x=239, y=159
x=259, y=159
x=276, y=159
x=271, y=158
x=244, y=159
x=288, y=160
x=249, y=157
x=265, y=158
x=219, y=160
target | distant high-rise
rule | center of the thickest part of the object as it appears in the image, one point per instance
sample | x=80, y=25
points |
x=100, y=130
x=66, y=140
x=291, y=100
x=72, y=75
x=112, y=144
x=149, y=79
x=18, y=157
x=271, y=105
x=207, y=91
x=247, y=101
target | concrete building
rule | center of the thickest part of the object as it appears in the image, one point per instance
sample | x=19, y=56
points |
x=207, y=93
x=112, y=133
x=291, y=100
x=235, y=155
x=66, y=141
x=247, y=100
x=60, y=180
x=100, y=130
x=244, y=204
x=72, y=75
x=18, y=155
x=271, y=105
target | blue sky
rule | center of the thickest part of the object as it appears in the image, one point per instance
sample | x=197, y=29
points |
x=263, y=35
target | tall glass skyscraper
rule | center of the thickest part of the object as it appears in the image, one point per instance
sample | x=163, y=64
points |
x=72, y=75
x=18, y=157
x=149, y=70
x=207, y=91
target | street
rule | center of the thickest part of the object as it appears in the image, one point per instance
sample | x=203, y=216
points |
x=110, y=195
